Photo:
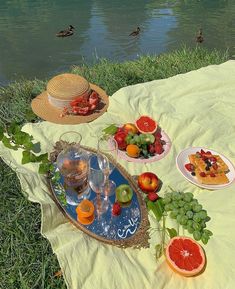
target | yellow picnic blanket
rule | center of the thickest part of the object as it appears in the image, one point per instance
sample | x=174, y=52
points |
x=195, y=109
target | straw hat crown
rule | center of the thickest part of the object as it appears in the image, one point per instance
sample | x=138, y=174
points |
x=67, y=86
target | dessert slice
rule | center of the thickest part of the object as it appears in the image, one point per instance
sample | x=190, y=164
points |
x=212, y=178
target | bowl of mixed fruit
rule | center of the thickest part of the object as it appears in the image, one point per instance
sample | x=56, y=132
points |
x=142, y=141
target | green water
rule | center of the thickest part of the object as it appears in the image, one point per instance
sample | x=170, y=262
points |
x=29, y=47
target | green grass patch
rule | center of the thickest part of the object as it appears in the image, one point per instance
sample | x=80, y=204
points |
x=26, y=258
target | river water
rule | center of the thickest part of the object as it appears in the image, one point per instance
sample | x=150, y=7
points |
x=29, y=47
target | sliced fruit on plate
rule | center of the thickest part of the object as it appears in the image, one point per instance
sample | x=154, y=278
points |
x=185, y=256
x=124, y=193
x=146, y=124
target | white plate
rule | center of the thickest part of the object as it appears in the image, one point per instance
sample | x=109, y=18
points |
x=183, y=159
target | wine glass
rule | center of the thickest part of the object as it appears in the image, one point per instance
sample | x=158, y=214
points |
x=96, y=181
x=107, y=154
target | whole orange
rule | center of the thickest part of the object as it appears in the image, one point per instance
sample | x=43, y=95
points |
x=133, y=151
x=130, y=127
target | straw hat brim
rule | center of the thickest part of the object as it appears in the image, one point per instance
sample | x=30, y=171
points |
x=41, y=107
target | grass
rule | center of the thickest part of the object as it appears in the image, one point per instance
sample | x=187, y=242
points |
x=26, y=259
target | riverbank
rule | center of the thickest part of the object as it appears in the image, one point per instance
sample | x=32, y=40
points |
x=26, y=259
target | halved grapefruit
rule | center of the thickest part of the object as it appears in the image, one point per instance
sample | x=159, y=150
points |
x=185, y=256
x=146, y=124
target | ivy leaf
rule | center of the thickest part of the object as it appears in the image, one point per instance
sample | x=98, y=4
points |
x=23, y=138
x=7, y=143
x=1, y=133
x=28, y=157
x=43, y=158
x=44, y=168
x=56, y=177
x=13, y=128
x=172, y=232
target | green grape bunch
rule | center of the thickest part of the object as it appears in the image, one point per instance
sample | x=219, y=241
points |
x=186, y=210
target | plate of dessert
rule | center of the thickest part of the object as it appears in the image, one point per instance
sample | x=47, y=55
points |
x=206, y=168
x=142, y=142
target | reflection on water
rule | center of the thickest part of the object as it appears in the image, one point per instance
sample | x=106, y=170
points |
x=29, y=47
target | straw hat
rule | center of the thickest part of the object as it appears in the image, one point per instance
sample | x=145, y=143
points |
x=60, y=91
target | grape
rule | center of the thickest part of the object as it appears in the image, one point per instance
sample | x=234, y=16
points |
x=173, y=214
x=167, y=207
x=207, y=219
x=189, y=214
x=175, y=204
x=182, y=211
x=190, y=223
x=181, y=203
x=197, y=235
x=166, y=200
x=190, y=229
x=136, y=138
x=176, y=196
x=196, y=218
x=197, y=208
x=168, y=195
x=203, y=224
x=183, y=220
x=132, y=141
x=188, y=197
x=196, y=226
x=187, y=207
x=203, y=214
x=208, y=232
x=178, y=218
x=171, y=207
x=204, y=239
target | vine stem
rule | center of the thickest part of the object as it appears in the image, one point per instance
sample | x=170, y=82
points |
x=163, y=231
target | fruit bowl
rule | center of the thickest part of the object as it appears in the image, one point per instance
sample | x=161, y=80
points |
x=142, y=142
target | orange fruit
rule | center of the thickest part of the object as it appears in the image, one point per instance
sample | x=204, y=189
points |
x=133, y=150
x=85, y=209
x=146, y=124
x=185, y=256
x=130, y=127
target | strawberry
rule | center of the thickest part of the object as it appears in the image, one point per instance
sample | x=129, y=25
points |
x=158, y=148
x=116, y=210
x=202, y=174
x=152, y=196
x=158, y=135
x=215, y=166
x=208, y=153
x=212, y=175
x=213, y=159
x=203, y=152
x=151, y=148
x=189, y=167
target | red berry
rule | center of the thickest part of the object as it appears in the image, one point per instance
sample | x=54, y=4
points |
x=215, y=166
x=152, y=196
x=159, y=149
x=208, y=153
x=203, y=152
x=212, y=175
x=151, y=148
x=189, y=167
x=213, y=159
x=204, y=157
x=158, y=135
x=116, y=210
x=202, y=174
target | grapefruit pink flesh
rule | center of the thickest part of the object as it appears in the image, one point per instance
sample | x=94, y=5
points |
x=185, y=256
x=146, y=124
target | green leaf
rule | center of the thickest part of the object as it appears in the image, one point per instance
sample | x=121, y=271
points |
x=44, y=168
x=159, y=251
x=156, y=208
x=28, y=157
x=13, y=128
x=43, y=158
x=23, y=138
x=1, y=133
x=110, y=130
x=7, y=143
x=172, y=232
